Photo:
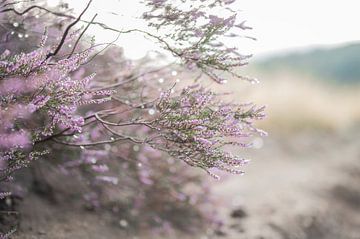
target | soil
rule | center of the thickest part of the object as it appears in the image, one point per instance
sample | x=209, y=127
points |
x=303, y=186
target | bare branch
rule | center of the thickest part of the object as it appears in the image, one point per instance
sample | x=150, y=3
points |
x=59, y=14
x=62, y=41
x=82, y=33
x=148, y=124
x=132, y=78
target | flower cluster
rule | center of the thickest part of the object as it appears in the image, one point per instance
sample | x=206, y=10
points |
x=39, y=96
x=153, y=192
x=196, y=126
x=197, y=36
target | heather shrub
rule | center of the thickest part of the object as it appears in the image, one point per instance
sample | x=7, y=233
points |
x=102, y=118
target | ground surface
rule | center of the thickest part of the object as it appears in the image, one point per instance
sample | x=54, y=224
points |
x=305, y=186
x=302, y=186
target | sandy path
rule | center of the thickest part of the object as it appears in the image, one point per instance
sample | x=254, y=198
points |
x=291, y=180
x=301, y=187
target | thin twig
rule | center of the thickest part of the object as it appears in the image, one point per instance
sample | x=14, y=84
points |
x=59, y=14
x=99, y=52
x=132, y=78
x=78, y=40
x=62, y=41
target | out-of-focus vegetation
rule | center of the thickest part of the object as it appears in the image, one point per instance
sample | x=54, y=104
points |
x=308, y=167
x=339, y=64
x=307, y=91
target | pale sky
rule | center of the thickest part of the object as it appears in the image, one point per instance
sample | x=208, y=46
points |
x=278, y=25
x=284, y=24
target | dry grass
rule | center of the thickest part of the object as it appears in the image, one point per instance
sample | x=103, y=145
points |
x=297, y=103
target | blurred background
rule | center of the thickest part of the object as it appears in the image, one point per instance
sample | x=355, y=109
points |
x=304, y=178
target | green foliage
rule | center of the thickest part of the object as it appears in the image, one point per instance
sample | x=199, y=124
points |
x=340, y=64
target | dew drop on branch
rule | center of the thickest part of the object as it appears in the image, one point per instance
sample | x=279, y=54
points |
x=123, y=223
x=136, y=148
x=151, y=111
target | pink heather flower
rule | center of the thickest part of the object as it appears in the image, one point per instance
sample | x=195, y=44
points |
x=145, y=179
x=195, y=14
x=215, y=20
x=14, y=86
x=108, y=179
x=78, y=122
x=4, y=194
x=204, y=142
x=38, y=102
x=5, y=54
x=16, y=139
x=100, y=168
x=195, y=127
